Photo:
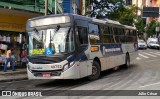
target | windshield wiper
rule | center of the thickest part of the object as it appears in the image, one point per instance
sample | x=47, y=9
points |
x=36, y=35
x=57, y=28
x=55, y=31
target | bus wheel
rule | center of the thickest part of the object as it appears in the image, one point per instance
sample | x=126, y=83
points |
x=127, y=60
x=95, y=71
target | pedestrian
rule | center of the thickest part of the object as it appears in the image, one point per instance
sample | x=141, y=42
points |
x=9, y=59
x=23, y=57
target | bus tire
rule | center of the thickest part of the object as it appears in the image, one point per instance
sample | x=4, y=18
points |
x=95, y=71
x=127, y=61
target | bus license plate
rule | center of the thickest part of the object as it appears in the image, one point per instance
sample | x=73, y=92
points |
x=46, y=75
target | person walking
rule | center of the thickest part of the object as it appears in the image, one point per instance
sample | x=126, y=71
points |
x=9, y=59
x=23, y=57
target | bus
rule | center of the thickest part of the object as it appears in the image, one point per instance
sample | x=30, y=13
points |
x=68, y=46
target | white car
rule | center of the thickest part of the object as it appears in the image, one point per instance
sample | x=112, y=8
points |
x=154, y=44
x=142, y=44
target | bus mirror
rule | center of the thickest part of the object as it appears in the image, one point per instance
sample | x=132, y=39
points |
x=93, y=36
x=93, y=32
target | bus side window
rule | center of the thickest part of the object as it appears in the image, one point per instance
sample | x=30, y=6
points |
x=82, y=37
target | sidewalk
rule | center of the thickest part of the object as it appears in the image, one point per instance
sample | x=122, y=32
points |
x=20, y=73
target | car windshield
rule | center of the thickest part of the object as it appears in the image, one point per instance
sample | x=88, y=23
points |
x=153, y=42
x=51, y=41
x=141, y=41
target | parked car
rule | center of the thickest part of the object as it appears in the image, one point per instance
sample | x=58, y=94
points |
x=142, y=44
x=153, y=43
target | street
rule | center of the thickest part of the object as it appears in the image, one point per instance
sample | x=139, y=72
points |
x=142, y=75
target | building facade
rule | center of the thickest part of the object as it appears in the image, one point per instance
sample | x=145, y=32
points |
x=71, y=6
x=13, y=17
x=15, y=13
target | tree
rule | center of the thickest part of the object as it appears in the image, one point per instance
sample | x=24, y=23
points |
x=150, y=30
x=125, y=15
x=114, y=10
x=140, y=25
x=101, y=8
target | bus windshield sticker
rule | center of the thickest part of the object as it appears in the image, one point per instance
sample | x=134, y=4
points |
x=37, y=51
x=49, y=51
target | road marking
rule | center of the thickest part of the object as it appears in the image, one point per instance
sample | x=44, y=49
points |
x=151, y=60
x=155, y=53
x=138, y=58
x=150, y=54
x=143, y=56
x=150, y=85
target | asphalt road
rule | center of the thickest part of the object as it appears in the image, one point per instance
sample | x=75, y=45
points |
x=144, y=74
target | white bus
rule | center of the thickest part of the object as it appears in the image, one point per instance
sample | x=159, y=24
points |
x=71, y=46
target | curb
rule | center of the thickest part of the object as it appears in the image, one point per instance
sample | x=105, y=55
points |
x=13, y=75
x=17, y=79
x=13, y=72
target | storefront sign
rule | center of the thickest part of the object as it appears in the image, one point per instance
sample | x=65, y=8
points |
x=12, y=27
x=11, y=22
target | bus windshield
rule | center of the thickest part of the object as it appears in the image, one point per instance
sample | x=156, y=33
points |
x=51, y=41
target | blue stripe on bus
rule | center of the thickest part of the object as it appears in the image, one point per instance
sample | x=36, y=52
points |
x=111, y=49
x=71, y=58
x=79, y=57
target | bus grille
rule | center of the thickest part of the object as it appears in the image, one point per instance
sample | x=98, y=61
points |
x=51, y=72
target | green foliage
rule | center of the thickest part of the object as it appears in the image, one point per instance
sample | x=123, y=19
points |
x=101, y=8
x=150, y=30
x=124, y=15
x=140, y=25
x=114, y=10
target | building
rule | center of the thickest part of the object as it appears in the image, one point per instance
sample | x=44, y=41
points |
x=15, y=13
x=13, y=17
x=71, y=6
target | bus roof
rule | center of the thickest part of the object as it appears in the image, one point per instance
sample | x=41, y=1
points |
x=47, y=16
x=101, y=21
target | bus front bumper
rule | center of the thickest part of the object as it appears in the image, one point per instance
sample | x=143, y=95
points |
x=71, y=73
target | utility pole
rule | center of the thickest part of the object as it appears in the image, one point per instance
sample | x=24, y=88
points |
x=89, y=9
x=46, y=7
x=82, y=7
x=55, y=12
x=35, y=5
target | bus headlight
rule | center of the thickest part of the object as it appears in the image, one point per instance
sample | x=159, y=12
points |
x=65, y=67
x=68, y=65
x=29, y=68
